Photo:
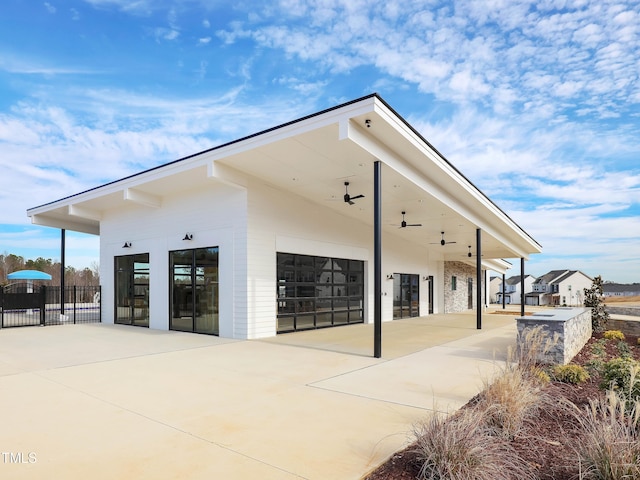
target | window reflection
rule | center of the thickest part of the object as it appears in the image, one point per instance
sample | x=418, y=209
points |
x=194, y=290
x=318, y=292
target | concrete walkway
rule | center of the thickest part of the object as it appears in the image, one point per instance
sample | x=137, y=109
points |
x=115, y=402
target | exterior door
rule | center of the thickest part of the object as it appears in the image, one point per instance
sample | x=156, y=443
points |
x=132, y=290
x=406, y=295
x=194, y=290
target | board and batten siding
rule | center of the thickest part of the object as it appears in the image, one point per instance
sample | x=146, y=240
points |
x=283, y=222
x=214, y=216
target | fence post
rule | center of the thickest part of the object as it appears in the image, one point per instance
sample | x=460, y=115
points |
x=2, y=307
x=74, y=303
x=43, y=305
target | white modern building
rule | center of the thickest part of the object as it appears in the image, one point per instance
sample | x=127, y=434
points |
x=297, y=227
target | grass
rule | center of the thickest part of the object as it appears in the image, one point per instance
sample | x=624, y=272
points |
x=477, y=442
x=464, y=447
x=610, y=446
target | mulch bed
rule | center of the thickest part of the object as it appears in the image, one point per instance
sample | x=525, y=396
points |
x=548, y=444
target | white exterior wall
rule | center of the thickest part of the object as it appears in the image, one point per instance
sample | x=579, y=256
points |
x=575, y=296
x=249, y=227
x=282, y=222
x=216, y=217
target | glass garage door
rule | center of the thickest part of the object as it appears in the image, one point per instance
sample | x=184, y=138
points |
x=318, y=292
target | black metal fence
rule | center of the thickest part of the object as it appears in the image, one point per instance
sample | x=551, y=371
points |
x=24, y=305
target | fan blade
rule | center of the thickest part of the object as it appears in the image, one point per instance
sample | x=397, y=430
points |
x=414, y=225
x=351, y=203
x=357, y=196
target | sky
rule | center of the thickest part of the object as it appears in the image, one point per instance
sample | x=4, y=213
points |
x=535, y=102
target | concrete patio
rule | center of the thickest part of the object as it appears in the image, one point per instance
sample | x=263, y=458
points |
x=103, y=402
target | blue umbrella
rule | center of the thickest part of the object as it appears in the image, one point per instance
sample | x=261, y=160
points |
x=28, y=275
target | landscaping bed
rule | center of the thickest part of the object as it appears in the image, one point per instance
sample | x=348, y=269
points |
x=545, y=444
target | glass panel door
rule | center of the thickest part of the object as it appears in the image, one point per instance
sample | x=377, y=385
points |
x=406, y=295
x=182, y=291
x=132, y=290
x=206, y=291
x=194, y=290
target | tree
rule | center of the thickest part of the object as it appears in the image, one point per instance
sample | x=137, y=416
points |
x=594, y=299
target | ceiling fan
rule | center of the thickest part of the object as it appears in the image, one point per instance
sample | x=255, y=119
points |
x=469, y=254
x=348, y=198
x=442, y=241
x=404, y=224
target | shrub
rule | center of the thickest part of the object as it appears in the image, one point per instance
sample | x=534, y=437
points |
x=573, y=374
x=598, y=348
x=461, y=447
x=613, y=335
x=621, y=375
x=610, y=447
x=594, y=299
x=540, y=375
x=623, y=349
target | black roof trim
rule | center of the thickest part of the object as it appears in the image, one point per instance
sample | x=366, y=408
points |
x=217, y=147
x=453, y=166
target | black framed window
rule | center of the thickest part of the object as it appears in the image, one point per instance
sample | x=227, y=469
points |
x=194, y=287
x=318, y=292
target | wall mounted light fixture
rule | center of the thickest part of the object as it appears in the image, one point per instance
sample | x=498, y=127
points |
x=390, y=276
x=188, y=236
x=126, y=245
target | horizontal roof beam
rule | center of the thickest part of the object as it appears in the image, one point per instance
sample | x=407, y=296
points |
x=142, y=198
x=76, y=211
x=92, y=228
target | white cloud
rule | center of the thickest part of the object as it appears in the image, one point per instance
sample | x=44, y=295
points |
x=50, y=8
x=102, y=135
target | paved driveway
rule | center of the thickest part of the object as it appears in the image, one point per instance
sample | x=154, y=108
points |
x=114, y=402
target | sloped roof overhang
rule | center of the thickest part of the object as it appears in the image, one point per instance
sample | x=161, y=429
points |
x=312, y=157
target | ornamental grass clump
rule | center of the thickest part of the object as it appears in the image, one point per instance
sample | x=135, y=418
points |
x=514, y=398
x=462, y=447
x=609, y=449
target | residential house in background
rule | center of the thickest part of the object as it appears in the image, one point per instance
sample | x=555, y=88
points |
x=494, y=288
x=559, y=288
x=512, y=289
x=621, y=289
